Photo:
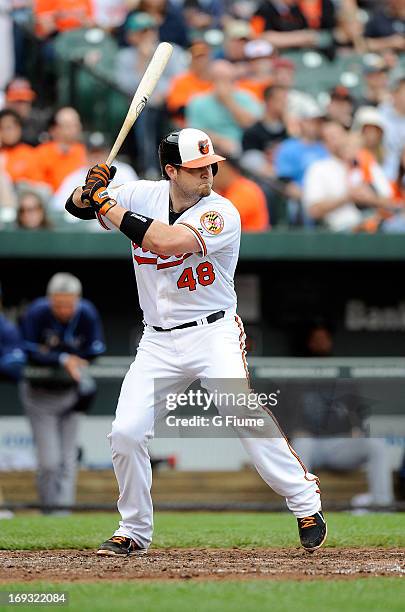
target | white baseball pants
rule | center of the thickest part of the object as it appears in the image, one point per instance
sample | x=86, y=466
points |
x=212, y=351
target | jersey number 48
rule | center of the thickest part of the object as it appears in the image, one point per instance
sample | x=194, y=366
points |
x=205, y=276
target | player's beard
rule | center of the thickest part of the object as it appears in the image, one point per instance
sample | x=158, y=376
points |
x=205, y=190
x=195, y=194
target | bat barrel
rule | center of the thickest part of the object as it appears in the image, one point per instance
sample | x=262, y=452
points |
x=144, y=91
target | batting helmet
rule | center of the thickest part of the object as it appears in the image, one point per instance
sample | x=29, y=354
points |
x=189, y=148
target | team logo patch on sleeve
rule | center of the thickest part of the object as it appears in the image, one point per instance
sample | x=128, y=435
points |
x=213, y=222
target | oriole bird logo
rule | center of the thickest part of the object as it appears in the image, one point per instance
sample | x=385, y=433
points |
x=203, y=147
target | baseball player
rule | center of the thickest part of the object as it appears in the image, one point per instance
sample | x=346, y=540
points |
x=60, y=330
x=185, y=245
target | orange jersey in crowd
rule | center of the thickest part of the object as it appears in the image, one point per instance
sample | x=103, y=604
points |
x=55, y=162
x=399, y=194
x=20, y=162
x=250, y=201
x=65, y=14
x=183, y=88
x=257, y=88
x=312, y=11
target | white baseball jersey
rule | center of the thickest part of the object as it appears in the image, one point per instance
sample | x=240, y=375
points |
x=172, y=291
x=181, y=288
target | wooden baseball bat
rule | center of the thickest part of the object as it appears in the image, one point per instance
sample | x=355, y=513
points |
x=145, y=88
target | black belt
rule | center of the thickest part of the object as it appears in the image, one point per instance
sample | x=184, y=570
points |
x=210, y=319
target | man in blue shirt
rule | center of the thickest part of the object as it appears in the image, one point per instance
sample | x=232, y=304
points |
x=12, y=358
x=62, y=331
x=294, y=156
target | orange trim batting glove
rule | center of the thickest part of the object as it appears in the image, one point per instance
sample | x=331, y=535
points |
x=98, y=198
x=100, y=174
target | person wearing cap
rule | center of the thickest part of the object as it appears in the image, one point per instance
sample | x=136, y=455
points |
x=225, y=112
x=341, y=106
x=375, y=73
x=61, y=331
x=393, y=115
x=369, y=122
x=97, y=147
x=294, y=155
x=258, y=68
x=20, y=98
x=196, y=80
x=237, y=33
x=185, y=244
x=141, y=33
x=19, y=158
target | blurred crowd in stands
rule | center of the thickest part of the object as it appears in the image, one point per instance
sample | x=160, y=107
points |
x=297, y=155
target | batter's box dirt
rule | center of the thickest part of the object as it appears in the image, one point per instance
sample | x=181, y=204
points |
x=198, y=563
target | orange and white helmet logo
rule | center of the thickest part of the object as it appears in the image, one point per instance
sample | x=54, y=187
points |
x=204, y=147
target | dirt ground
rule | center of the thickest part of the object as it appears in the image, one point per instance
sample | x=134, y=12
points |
x=212, y=564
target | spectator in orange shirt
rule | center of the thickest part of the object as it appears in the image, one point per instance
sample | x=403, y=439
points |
x=65, y=153
x=195, y=81
x=20, y=97
x=19, y=158
x=369, y=122
x=54, y=16
x=246, y=195
x=399, y=184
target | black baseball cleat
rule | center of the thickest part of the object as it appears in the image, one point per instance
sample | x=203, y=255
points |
x=120, y=545
x=313, y=531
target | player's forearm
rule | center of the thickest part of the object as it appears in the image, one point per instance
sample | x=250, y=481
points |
x=76, y=198
x=169, y=239
x=152, y=234
x=116, y=215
